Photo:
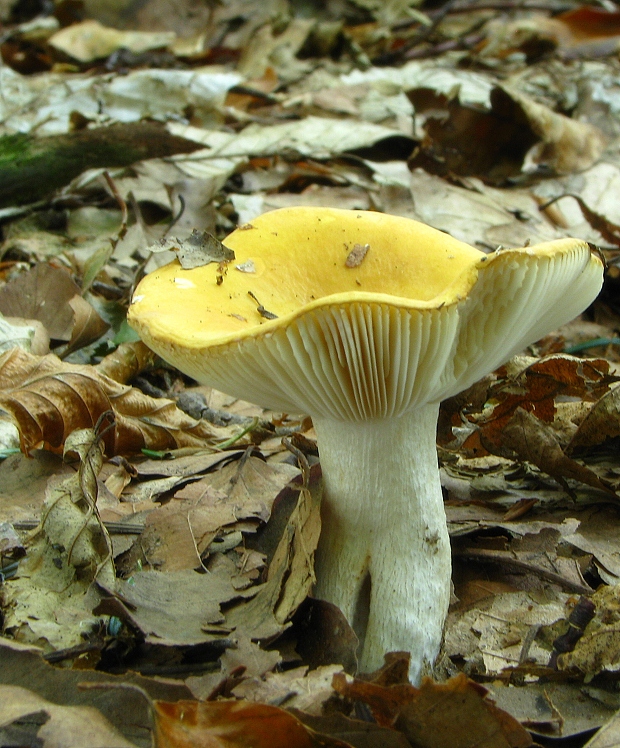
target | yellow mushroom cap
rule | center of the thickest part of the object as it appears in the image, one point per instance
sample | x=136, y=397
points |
x=373, y=314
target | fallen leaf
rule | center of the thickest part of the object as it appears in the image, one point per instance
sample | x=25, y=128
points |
x=89, y=40
x=523, y=410
x=48, y=399
x=236, y=724
x=49, y=295
x=297, y=688
x=583, y=31
x=564, y=145
x=51, y=597
x=126, y=361
x=601, y=423
x=123, y=706
x=23, y=481
x=536, y=442
x=30, y=335
x=608, y=736
x=595, y=535
x=557, y=710
x=200, y=248
x=599, y=222
x=256, y=663
x=315, y=137
x=291, y=570
x=511, y=135
x=66, y=726
x=474, y=718
x=421, y=713
x=175, y=608
x=360, y=734
x=182, y=530
x=324, y=636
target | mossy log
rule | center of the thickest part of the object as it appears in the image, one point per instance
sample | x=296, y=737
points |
x=32, y=168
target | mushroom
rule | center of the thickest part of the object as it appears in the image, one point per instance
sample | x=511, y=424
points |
x=365, y=322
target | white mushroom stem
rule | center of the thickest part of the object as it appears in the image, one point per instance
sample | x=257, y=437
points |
x=384, y=553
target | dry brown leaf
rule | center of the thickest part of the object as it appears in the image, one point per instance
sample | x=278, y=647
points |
x=421, y=714
x=48, y=399
x=40, y=343
x=23, y=481
x=565, y=145
x=601, y=423
x=534, y=554
x=175, y=608
x=585, y=31
x=52, y=594
x=474, y=719
x=608, y=736
x=360, y=734
x=246, y=654
x=536, y=442
x=233, y=724
x=122, y=705
x=127, y=361
x=87, y=325
x=66, y=726
x=587, y=23
x=594, y=653
x=42, y=293
x=291, y=571
x=181, y=530
x=298, y=688
x=515, y=134
x=48, y=294
x=324, y=636
x=520, y=414
x=89, y=40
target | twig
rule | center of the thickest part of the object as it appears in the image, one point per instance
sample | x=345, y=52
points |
x=505, y=558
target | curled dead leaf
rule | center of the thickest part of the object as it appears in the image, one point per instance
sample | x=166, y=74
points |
x=48, y=294
x=601, y=423
x=536, y=442
x=69, y=726
x=233, y=724
x=564, y=145
x=421, y=713
x=48, y=399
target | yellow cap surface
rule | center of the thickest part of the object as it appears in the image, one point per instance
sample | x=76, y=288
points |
x=419, y=318
x=299, y=258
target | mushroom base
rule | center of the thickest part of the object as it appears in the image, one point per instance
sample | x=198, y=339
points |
x=384, y=553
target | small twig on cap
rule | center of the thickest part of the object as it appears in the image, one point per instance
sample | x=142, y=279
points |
x=261, y=309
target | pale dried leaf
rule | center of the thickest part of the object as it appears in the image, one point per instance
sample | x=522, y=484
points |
x=316, y=137
x=183, y=529
x=608, y=736
x=289, y=578
x=89, y=40
x=601, y=423
x=176, y=608
x=51, y=598
x=87, y=324
x=30, y=335
x=566, y=145
x=43, y=293
x=67, y=726
x=303, y=690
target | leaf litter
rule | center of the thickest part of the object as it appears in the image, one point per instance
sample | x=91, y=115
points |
x=480, y=123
